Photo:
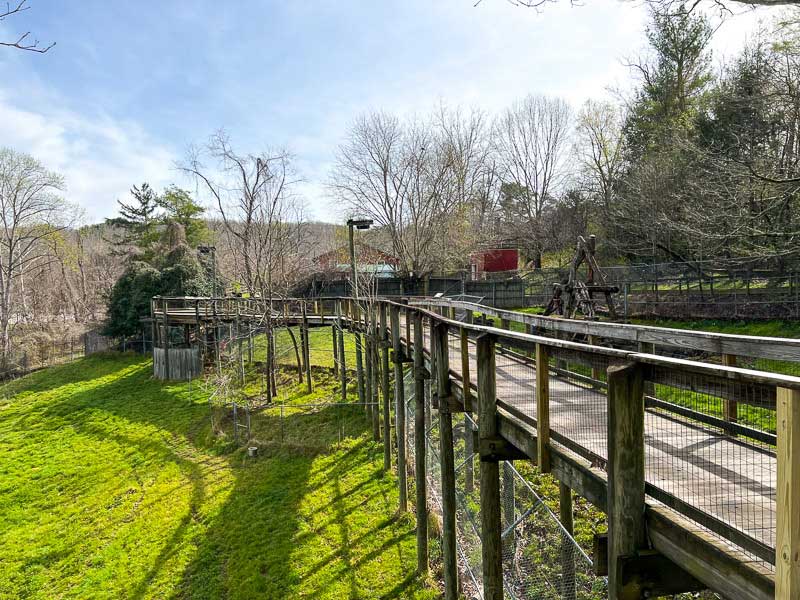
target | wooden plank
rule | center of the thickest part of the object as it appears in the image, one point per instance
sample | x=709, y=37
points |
x=787, y=574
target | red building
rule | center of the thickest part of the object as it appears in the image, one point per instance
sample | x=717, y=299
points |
x=493, y=260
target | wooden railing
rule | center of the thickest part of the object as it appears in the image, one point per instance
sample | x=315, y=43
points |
x=645, y=435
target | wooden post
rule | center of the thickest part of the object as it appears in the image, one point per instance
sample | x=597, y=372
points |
x=399, y=407
x=730, y=407
x=342, y=362
x=567, y=551
x=387, y=418
x=307, y=350
x=465, y=369
x=492, y=554
x=166, y=341
x=787, y=545
x=420, y=447
x=543, y=407
x=450, y=564
x=626, y=526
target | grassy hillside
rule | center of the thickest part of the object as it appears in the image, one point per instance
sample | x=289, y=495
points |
x=112, y=486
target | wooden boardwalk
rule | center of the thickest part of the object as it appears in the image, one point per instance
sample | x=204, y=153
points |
x=728, y=479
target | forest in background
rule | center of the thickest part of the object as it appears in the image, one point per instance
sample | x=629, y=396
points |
x=696, y=161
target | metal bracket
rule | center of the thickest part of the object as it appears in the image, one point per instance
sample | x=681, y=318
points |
x=497, y=448
x=451, y=402
x=421, y=373
x=647, y=574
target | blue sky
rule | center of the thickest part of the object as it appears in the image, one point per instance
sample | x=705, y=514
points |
x=130, y=85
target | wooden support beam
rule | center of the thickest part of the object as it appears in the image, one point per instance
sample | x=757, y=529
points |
x=387, y=419
x=450, y=564
x=420, y=475
x=469, y=450
x=787, y=564
x=543, y=407
x=626, y=497
x=491, y=549
x=399, y=409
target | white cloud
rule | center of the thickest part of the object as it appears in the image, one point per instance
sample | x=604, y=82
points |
x=99, y=158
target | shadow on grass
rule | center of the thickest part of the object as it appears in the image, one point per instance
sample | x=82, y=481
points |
x=311, y=517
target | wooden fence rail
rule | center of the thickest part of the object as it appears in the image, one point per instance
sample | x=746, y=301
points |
x=693, y=500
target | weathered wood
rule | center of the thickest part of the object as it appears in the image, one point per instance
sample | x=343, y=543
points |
x=399, y=408
x=420, y=476
x=184, y=363
x=387, y=419
x=626, y=497
x=449, y=561
x=567, y=551
x=491, y=549
x=787, y=566
x=543, y=407
x=715, y=343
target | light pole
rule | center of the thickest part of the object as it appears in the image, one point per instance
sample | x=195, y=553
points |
x=357, y=224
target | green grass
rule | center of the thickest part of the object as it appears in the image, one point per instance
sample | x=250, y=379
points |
x=112, y=485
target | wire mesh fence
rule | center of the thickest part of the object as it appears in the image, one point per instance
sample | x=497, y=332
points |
x=541, y=560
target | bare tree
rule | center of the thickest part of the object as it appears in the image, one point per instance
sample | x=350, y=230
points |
x=402, y=176
x=598, y=147
x=23, y=41
x=32, y=213
x=531, y=139
x=259, y=211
